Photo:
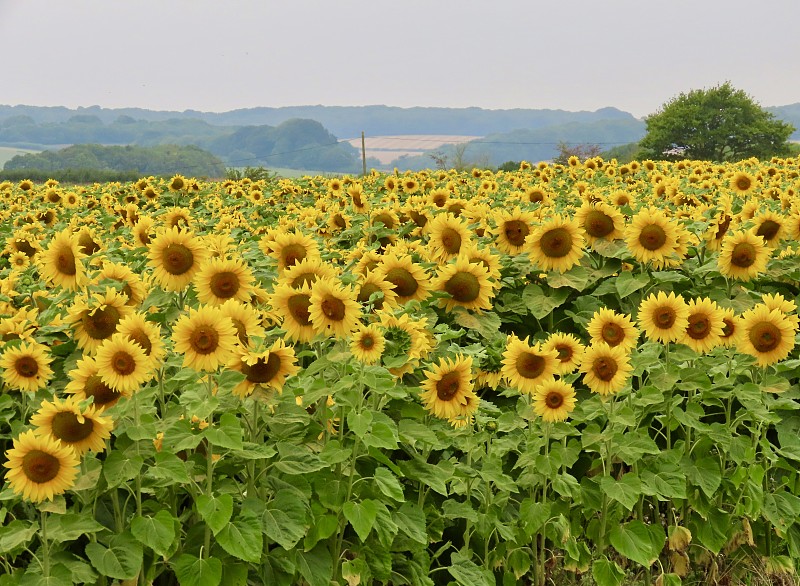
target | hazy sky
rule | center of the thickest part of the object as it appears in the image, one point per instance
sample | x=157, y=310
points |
x=218, y=55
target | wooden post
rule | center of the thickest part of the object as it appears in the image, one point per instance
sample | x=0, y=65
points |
x=363, y=154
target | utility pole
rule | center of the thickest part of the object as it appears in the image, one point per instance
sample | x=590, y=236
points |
x=363, y=154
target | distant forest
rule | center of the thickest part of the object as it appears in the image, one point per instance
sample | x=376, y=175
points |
x=307, y=137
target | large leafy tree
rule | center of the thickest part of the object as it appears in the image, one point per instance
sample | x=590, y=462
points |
x=718, y=124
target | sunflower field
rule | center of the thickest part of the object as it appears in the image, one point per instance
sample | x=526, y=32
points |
x=566, y=374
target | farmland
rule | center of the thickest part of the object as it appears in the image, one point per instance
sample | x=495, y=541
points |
x=561, y=374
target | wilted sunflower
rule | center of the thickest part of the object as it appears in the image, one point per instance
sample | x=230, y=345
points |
x=292, y=306
x=651, y=237
x=85, y=383
x=145, y=333
x=269, y=368
x=743, y=255
x=600, y=221
x=409, y=279
x=556, y=245
x=82, y=429
x=26, y=367
x=175, y=256
x=447, y=236
x=663, y=317
x=95, y=318
x=61, y=263
x=605, y=369
x=220, y=279
x=525, y=367
x=569, y=349
x=554, y=400
x=767, y=334
x=289, y=248
x=704, y=328
x=123, y=364
x=367, y=344
x=333, y=309
x=447, y=388
x=512, y=229
x=39, y=467
x=615, y=329
x=205, y=337
x=466, y=284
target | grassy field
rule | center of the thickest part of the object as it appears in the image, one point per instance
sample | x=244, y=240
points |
x=7, y=153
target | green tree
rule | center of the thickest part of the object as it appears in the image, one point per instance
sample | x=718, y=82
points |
x=718, y=124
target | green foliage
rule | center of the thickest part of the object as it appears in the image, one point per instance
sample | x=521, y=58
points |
x=718, y=124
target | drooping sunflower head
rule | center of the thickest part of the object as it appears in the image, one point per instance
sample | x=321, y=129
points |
x=40, y=467
x=205, y=337
x=554, y=400
x=82, y=429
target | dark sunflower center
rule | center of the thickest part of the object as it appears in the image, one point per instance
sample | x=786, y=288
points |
x=339, y=221
x=723, y=226
x=699, y=326
x=139, y=337
x=25, y=247
x=743, y=183
x=304, y=279
x=123, y=363
x=40, y=467
x=765, y=336
x=405, y=285
x=26, y=366
x=439, y=200
x=292, y=254
x=652, y=237
x=262, y=371
x=419, y=219
x=604, y=368
x=367, y=342
x=385, y=219
x=530, y=365
x=556, y=243
x=103, y=394
x=357, y=201
x=67, y=428
x=664, y=317
x=728, y=327
x=367, y=289
x=516, y=231
x=598, y=225
x=204, y=339
x=224, y=285
x=298, y=308
x=451, y=240
x=101, y=323
x=768, y=229
x=65, y=262
x=565, y=353
x=241, y=331
x=463, y=287
x=743, y=255
x=448, y=386
x=177, y=259
x=333, y=308
x=554, y=400
x=87, y=245
x=612, y=334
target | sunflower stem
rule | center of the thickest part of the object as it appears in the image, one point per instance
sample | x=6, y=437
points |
x=45, y=546
x=541, y=532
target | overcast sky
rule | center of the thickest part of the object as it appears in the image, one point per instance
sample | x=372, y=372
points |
x=219, y=55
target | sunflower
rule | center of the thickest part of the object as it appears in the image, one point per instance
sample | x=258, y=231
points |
x=732, y=329
x=615, y=329
x=605, y=369
x=85, y=383
x=512, y=229
x=178, y=183
x=447, y=236
x=177, y=218
x=307, y=271
x=358, y=198
x=367, y=344
x=554, y=400
x=19, y=261
x=491, y=261
x=143, y=231
x=246, y=320
x=131, y=283
x=40, y=467
x=333, y=308
x=410, y=280
x=220, y=279
x=770, y=226
x=663, y=317
x=600, y=221
x=145, y=333
x=743, y=255
x=368, y=285
x=269, y=368
x=651, y=236
x=466, y=284
x=556, y=245
x=447, y=389
x=742, y=182
x=779, y=302
x=82, y=429
x=525, y=367
x=767, y=334
x=569, y=350
x=289, y=248
x=291, y=305
x=123, y=364
x=61, y=263
x=88, y=241
x=205, y=337
x=96, y=318
x=704, y=329
x=26, y=367
x=175, y=256
x=407, y=339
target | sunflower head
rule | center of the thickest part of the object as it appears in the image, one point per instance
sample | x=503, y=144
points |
x=40, y=467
